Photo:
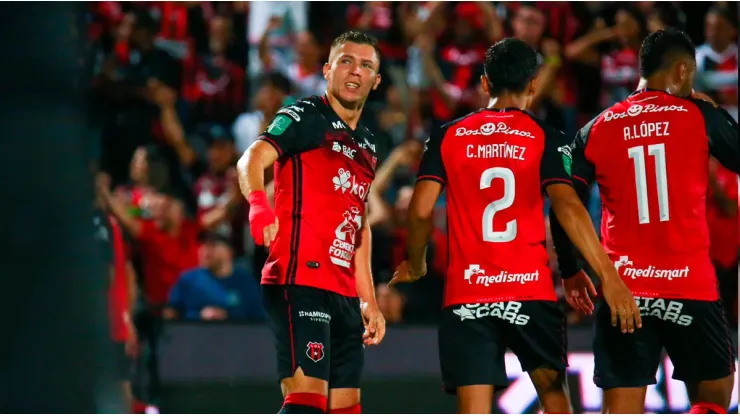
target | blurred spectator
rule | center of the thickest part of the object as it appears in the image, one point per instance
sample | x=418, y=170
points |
x=132, y=118
x=217, y=290
x=620, y=45
x=303, y=68
x=271, y=95
x=716, y=60
x=216, y=87
x=664, y=15
x=293, y=16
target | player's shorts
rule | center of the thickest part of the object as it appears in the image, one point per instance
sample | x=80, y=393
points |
x=318, y=331
x=694, y=334
x=123, y=362
x=473, y=339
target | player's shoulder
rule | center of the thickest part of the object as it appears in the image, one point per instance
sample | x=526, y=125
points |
x=548, y=129
x=459, y=122
x=305, y=109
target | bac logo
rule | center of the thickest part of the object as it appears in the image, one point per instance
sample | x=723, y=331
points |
x=315, y=351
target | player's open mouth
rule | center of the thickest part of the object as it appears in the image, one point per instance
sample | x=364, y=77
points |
x=352, y=85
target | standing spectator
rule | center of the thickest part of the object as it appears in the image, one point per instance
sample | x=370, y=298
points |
x=217, y=290
x=303, y=68
x=216, y=87
x=272, y=95
x=716, y=60
x=135, y=193
x=132, y=118
x=619, y=65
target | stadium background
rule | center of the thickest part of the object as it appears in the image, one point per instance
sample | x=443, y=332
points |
x=168, y=125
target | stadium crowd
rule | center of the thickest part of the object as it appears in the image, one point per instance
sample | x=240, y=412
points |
x=181, y=90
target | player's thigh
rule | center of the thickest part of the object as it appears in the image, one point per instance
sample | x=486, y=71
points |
x=299, y=319
x=347, y=349
x=697, y=339
x=624, y=360
x=471, y=350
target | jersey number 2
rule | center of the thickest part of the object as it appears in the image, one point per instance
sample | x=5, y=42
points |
x=499, y=205
x=637, y=154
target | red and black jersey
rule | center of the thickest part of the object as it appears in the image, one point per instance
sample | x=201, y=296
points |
x=650, y=155
x=322, y=178
x=499, y=162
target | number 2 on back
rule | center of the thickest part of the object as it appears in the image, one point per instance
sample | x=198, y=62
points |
x=637, y=154
x=499, y=205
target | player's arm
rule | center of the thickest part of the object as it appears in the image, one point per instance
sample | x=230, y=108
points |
x=283, y=137
x=372, y=317
x=555, y=173
x=721, y=128
x=429, y=183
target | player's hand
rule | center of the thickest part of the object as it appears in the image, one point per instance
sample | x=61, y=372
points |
x=374, y=323
x=262, y=221
x=404, y=274
x=622, y=305
x=704, y=97
x=578, y=291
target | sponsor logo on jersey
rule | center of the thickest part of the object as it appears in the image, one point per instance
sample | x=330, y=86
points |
x=343, y=247
x=278, y=126
x=507, y=311
x=344, y=149
x=366, y=144
x=346, y=181
x=624, y=266
x=475, y=275
x=287, y=110
x=663, y=309
x=315, y=351
x=567, y=158
x=337, y=125
x=637, y=109
x=491, y=128
x=315, y=316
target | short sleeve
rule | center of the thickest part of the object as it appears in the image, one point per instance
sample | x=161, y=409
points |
x=555, y=166
x=722, y=132
x=431, y=167
x=290, y=131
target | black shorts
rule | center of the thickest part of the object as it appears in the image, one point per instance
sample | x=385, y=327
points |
x=473, y=339
x=318, y=331
x=693, y=333
x=122, y=361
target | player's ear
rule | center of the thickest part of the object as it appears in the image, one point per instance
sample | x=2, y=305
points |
x=327, y=67
x=484, y=84
x=532, y=86
x=377, y=82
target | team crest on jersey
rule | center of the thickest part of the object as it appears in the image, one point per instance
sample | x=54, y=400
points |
x=315, y=351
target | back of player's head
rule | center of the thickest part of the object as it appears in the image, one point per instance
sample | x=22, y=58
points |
x=359, y=38
x=661, y=49
x=510, y=66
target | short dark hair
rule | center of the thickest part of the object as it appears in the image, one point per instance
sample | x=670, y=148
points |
x=358, y=38
x=510, y=65
x=661, y=48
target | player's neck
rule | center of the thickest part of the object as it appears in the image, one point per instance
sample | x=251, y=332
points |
x=658, y=82
x=351, y=116
x=509, y=101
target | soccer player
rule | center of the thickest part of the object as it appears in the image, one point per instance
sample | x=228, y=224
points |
x=650, y=155
x=319, y=240
x=495, y=164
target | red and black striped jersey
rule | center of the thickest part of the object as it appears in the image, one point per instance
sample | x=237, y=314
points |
x=322, y=178
x=494, y=165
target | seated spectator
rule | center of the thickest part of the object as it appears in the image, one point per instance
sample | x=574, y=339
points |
x=217, y=290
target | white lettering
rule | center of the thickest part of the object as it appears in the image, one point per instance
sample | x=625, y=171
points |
x=491, y=128
x=637, y=109
x=492, y=151
x=639, y=131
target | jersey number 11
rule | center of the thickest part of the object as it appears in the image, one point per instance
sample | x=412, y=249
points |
x=637, y=154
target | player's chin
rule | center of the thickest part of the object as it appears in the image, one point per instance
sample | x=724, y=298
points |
x=353, y=95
